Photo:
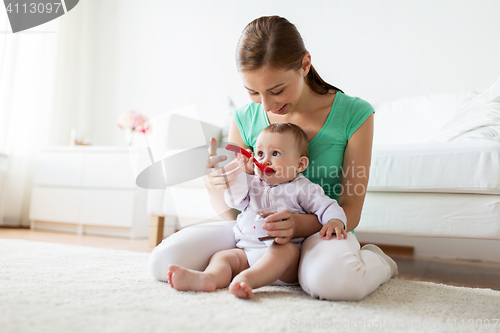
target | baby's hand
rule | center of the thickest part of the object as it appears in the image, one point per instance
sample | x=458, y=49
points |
x=246, y=163
x=333, y=226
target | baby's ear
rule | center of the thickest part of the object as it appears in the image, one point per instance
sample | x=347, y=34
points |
x=303, y=163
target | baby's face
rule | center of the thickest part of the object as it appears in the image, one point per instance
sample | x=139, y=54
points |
x=279, y=151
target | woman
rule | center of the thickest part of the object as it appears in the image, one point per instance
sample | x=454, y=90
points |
x=283, y=85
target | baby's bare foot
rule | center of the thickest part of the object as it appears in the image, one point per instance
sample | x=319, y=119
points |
x=169, y=277
x=184, y=279
x=241, y=289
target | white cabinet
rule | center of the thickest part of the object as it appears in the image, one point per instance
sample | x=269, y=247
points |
x=89, y=190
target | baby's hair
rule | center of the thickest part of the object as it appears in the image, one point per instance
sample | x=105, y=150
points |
x=300, y=136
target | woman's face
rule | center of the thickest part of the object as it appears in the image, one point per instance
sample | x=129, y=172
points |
x=278, y=90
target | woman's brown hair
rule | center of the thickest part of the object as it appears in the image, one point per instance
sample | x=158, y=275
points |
x=275, y=42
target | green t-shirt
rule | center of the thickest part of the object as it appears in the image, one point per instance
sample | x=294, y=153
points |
x=326, y=149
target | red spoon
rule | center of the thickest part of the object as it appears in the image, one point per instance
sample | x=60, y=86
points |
x=240, y=150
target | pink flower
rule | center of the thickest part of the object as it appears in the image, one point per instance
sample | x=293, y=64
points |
x=134, y=121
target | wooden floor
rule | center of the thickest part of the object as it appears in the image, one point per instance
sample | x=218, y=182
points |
x=452, y=272
x=140, y=245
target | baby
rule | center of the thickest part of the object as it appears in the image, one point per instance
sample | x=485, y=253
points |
x=256, y=262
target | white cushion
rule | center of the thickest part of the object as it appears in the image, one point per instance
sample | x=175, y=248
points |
x=416, y=119
x=454, y=167
x=479, y=118
x=179, y=130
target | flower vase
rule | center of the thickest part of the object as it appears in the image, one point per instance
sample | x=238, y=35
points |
x=129, y=137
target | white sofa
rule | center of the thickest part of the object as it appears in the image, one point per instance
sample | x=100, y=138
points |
x=441, y=197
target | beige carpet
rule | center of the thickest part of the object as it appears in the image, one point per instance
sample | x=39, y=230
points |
x=47, y=287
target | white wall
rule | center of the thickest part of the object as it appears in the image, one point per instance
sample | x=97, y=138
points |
x=157, y=55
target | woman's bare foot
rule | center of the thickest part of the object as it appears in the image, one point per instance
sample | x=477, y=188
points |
x=240, y=289
x=183, y=279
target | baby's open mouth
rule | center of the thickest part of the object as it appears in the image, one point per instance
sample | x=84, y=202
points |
x=269, y=172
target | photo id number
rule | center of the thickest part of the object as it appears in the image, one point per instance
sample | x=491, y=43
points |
x=34, y=8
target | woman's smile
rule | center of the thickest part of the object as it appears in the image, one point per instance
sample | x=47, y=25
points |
x=283, y=108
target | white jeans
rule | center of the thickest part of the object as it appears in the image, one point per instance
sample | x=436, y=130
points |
x=335, y=270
